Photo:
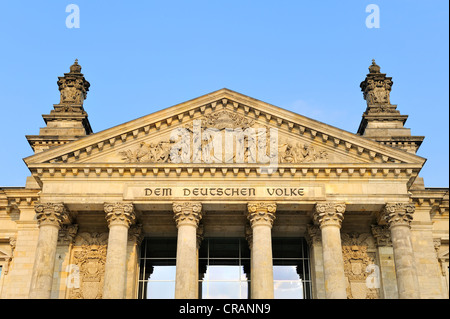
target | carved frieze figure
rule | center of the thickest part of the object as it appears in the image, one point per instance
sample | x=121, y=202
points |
x=248, y=150
x=359, y=265
x=300, y=153
x=148, y=153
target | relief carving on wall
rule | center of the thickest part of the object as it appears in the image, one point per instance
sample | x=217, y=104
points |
x=148, y=153
x=300, y=153
x=226, y=119
x=288, y=151
x=359, y=265
x=89, y=256
x=378, y=91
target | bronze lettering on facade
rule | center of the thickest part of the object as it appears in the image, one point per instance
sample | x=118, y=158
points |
x=225, y=192
x=158, y=191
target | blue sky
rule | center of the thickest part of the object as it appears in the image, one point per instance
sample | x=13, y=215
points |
x=306, y=56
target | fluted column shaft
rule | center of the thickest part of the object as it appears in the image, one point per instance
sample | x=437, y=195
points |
x=261, y=216
x=120, y=216
x=187, y=216
x=50, y=216
x=329, y=217
x=399, y=217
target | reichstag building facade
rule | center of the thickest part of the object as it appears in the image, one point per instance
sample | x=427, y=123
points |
x=224, y=196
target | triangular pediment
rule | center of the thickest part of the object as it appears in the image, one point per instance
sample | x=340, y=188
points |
x=147, y=140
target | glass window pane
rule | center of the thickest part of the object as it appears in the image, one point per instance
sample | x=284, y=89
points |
x=223, y=248
x=288, y=290
x=160, y=248
x=244, y=289
x=285, y=273
x=221, y=290
x=222, y=273
x=287, y=247
x=161, y=290
x=163, y=273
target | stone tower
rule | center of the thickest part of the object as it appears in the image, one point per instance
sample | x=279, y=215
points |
x=68, y=121
x=382, y=121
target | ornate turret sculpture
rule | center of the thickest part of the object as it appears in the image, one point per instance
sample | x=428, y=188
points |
x=382, y=121
x=73, y=88
x=68, y=121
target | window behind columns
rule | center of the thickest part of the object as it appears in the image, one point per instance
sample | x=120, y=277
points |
x=223, y=268
x=224, y=265
x=157, y=268
x=291, y=270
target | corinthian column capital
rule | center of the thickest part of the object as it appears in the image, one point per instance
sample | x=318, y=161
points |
x=119, y=214
x=398, y=214
x=329, y=214
x=51, y=214
x=187, y=213
x=261, y=213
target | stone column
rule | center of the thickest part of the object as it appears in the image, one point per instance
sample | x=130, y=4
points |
x=399, y=217
x=261, y=216
x=50, y=216
x=314, y=239
x=187, y=216
x=329, y=217
x=120, y=216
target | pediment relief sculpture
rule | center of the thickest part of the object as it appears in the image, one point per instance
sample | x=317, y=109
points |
x=224, y=137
